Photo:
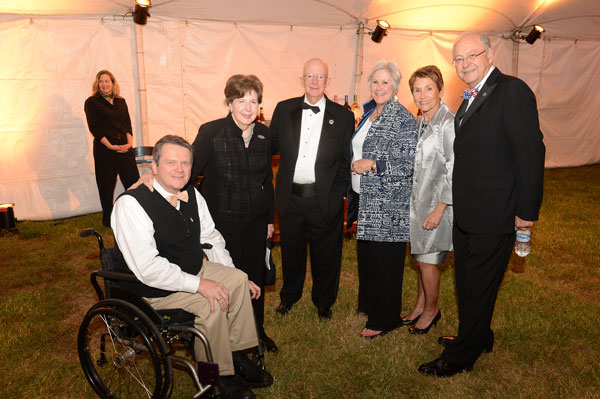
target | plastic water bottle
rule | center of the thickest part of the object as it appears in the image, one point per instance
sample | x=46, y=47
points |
x=522, y=246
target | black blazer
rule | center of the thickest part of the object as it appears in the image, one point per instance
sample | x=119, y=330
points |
x=238, y=181
x=499, y=157
x=333, y=156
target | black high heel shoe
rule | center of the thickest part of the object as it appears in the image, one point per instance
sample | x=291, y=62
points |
x=411, y=322
x=415, y=330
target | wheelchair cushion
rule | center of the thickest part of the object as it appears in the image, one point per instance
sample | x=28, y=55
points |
x=176, y=316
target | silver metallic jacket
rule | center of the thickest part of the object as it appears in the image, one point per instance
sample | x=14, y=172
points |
x=432, y=183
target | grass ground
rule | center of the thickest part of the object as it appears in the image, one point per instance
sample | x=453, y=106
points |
x=547, y=317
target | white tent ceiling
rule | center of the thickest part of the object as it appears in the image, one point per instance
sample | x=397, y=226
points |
x=52, y=50
x=562, y=18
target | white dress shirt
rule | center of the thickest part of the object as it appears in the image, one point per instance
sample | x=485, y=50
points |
x=357, y=145
x=310, y=134
x=134, y=233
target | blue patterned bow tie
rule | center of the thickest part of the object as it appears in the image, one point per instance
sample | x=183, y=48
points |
x=468, y=93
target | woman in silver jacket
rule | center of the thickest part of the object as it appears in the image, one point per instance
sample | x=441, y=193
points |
x=431, y=198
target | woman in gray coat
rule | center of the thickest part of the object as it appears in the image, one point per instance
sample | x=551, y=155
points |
x=431, y=198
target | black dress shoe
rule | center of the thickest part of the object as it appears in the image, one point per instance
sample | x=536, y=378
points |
x=409, y=322
x=268, y=344
x=232, y=388
x=442, y=368
x=283, y=309
x=448, y=339
x=249, y=372
x=415, y=330
x=324, y=313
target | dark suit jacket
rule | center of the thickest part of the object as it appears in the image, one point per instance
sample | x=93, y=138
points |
x=333, y=156
x=499, y=157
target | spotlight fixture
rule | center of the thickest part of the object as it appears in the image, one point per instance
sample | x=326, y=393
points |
x=7, y=218
x=535, y=34
x=380, y=31
x=140, y=14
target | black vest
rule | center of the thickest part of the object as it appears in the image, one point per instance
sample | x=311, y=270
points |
x=176, y=232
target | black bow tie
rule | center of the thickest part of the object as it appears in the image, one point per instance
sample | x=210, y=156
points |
x=313, y=108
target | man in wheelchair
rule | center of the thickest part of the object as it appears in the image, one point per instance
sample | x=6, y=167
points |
x=160, y=235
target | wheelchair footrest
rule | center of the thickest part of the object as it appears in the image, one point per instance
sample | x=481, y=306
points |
x=208, y=373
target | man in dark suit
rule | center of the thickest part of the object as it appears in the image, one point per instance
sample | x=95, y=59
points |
x=313, y=136
x=497, y=189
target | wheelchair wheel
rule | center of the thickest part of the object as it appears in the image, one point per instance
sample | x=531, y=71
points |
x=122, y=353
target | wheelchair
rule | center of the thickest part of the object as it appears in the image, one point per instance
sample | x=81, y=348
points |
x=126, y=348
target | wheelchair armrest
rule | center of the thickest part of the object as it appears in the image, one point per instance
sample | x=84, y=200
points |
x=109, y=276
x=117, y=276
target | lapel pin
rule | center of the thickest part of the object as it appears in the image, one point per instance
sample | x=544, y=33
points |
x=331, y=121
x=484, y=93
x=260, y=136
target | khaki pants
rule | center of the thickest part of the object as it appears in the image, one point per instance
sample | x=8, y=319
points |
x=227, y=331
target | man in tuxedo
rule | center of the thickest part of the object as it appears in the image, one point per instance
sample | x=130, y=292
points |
x=312, y=134
x=496, y=188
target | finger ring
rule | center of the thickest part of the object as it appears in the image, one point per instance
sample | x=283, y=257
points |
x=218, y=299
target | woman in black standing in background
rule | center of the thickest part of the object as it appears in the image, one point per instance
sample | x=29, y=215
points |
x=234, y=155
x=108, y=120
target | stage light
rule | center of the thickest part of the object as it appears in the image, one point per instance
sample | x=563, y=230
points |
x=380, y=31
x=7, y=219
x=140, y=14
x=535, y=34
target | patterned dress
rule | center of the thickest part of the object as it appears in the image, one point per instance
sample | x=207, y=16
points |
x=384, y=207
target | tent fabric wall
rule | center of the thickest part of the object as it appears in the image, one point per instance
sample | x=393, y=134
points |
x=187, y=65
x=46, y=161
x=215, y=51
x=567, y=92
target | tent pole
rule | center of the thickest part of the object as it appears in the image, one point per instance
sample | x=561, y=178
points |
x=358, y=62
x=515, y=58
x=141, y=76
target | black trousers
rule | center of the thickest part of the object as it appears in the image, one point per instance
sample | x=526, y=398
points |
x=247, y=244
x=480, y=263
x=381, y=271
x=108, y=164
x=302, y=222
